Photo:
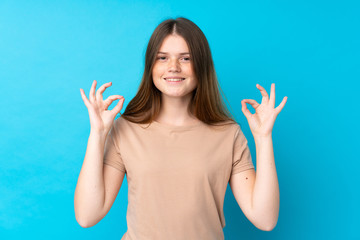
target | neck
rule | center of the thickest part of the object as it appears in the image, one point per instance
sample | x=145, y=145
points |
x=175, y=111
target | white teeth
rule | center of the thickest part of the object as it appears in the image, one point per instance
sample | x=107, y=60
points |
x=174, y=79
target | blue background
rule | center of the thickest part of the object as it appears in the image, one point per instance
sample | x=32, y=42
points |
x=51, y=49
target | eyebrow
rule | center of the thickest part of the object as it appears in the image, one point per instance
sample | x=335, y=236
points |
x=184, y=53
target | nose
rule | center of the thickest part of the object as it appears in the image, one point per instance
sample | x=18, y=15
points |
x=174, y=66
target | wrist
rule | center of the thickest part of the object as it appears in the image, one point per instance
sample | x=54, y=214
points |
x=258, y=138
x=98, y=135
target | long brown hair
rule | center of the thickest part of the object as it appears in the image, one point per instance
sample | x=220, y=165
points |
x=206, y=104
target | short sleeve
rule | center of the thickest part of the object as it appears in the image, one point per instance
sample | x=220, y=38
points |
x=112, y=154
x=241, y=153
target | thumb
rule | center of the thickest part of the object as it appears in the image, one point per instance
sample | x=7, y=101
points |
x=245, y=110
x=118, y=106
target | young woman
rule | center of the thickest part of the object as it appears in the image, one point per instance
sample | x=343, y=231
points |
x=179, y=147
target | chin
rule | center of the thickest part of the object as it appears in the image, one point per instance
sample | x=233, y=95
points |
x=177, y=95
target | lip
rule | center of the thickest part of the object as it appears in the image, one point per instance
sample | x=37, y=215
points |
x=174, y=82
x=174, y=78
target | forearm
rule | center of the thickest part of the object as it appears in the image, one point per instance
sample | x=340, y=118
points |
x=266, y=199
x=90, y=190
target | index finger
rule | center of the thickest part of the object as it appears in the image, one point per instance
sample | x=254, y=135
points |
x=100, y=91
x=263, y=92
x=84, y=98
x=92, y=91
x=272, y=95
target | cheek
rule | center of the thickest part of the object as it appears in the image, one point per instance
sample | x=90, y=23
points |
x=195, y=83
x=154, y=69
x=191, y=71
x=157, y=72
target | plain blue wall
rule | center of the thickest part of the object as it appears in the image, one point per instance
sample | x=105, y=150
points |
x=51, y=49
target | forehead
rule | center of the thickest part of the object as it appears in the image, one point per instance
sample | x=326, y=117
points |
x=174, y=44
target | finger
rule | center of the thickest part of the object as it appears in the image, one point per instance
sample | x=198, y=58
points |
x=272, y=95
x=100, y=91
x=245, y=110
x=281, y=105
x=263, y=92
x=252, y=102
x=110, y=99
x=118, y=106
x=92, y=91
x=84, y=98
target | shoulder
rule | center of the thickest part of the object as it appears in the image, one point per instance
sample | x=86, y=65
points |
x=226, y=130
x=227, y=126
x=122, y=124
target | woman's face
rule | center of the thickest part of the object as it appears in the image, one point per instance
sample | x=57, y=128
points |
x=172, y=72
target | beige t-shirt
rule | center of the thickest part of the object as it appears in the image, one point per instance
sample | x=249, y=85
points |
x=177, y=176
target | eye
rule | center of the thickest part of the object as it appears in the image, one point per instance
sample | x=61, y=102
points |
x=186, y=58
x=161, y=58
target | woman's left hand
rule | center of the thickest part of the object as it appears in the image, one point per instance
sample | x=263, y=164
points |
x=262, y=121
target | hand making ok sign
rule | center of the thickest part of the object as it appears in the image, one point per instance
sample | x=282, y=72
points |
x=101, y=119
x=262, y=121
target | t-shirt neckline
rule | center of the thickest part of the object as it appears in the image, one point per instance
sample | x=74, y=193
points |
x=174, y=127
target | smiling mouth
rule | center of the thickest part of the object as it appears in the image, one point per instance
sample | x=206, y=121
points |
x=174, y=79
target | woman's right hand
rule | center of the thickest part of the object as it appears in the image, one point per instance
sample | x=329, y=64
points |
x=101, y=119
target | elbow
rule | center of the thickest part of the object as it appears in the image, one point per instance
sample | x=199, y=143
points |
x=269, y=226
x=80, y=218
x=265, y=223
x=86, y=220
x=84, y=223
x=83, y=219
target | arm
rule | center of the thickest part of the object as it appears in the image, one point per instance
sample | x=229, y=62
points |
x=266, y=199
x=258, y=193
x=98, y=184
